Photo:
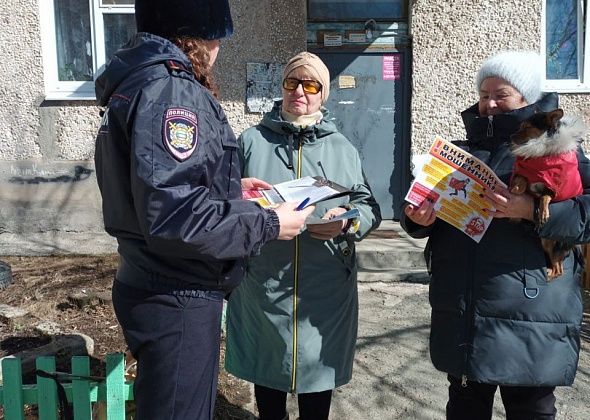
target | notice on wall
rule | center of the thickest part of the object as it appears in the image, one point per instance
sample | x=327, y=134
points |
x=391, y=67
x=263, y=85
x=357, y=37
x=346, y=82
x=332, y=40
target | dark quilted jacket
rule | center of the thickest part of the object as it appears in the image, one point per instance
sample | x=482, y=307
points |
x=484, y=326
x=178, y=217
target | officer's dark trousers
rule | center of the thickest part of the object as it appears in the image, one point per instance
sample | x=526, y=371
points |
x=175, y=339
x=475, y=401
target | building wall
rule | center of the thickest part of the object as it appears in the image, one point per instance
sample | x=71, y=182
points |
x=266, y=31
x=48, y=193
x=50, y=199
x=450, y=41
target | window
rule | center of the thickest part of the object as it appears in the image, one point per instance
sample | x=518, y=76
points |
x=78, y=38
x=566, y=45
x=355, y=10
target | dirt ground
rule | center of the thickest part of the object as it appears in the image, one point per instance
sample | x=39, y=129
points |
x=50, y=288
x=74, y=293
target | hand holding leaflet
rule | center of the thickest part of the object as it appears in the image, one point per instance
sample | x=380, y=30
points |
x=292, y=221
x=330, y=225
x=252, y=183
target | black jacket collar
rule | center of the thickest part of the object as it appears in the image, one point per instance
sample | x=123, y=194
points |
x=488, y=133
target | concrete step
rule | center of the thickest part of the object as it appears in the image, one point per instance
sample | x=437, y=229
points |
x=390, y=248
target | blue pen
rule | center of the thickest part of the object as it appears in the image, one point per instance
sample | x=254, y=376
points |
x=302, y=205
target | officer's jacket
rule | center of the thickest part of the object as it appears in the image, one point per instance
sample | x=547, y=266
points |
x=168, y=171
x=495, y=316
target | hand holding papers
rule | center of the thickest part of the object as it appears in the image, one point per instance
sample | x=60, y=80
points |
x=336, y=221
x=350, y=214
x=454, y=181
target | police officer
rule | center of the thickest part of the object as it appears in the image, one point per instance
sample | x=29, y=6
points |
x=168, y=171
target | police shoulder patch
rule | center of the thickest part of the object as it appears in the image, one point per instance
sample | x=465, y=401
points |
x=180, y=132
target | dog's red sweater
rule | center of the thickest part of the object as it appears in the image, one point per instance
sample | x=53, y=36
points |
x=558, y=172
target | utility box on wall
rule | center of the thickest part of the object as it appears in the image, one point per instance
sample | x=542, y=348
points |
x=367, y=50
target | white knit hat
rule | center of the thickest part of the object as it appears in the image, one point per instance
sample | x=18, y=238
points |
x=522, y=69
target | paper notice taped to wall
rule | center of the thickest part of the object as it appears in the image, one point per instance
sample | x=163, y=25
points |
x=346, y=82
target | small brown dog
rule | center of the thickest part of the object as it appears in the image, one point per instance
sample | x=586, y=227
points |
x=547, y=168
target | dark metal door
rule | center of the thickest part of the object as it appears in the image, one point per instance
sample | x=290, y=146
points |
x=369, y=100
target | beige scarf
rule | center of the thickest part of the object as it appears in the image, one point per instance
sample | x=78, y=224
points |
x=302, y=120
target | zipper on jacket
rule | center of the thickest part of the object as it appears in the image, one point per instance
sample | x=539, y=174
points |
x=295, y=283
x=469, y=320
x=490, y=131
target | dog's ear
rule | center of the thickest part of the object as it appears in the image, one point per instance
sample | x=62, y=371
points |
x=554, y=116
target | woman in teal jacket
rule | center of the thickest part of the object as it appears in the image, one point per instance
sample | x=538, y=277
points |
x=292, y=324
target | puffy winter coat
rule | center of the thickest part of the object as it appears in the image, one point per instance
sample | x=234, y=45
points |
x=292, y=323
x=495, y=317
x=168, y=169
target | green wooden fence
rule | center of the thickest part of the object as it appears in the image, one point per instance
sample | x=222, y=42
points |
x=81, y=392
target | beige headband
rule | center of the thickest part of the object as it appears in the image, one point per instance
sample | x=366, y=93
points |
x=315, y=66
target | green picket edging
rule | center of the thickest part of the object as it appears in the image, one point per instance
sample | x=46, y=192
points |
x=46, y=390
x=81, y=393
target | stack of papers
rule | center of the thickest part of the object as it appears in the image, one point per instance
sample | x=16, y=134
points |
x=454, y=181
x=312, y=189
x=350, y=214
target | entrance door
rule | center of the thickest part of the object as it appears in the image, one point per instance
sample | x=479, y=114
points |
x=369, y=100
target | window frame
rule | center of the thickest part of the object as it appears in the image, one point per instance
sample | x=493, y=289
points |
x=582, y=84
x=402, y=18
x=74, y=90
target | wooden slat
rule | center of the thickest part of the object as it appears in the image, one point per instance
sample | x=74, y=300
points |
x=586, y=276
x=29, y=394
x=12, y=384
x=82, y=393
x=115, y=384
x=101, y=394
x=46, y=390
x=81, y=389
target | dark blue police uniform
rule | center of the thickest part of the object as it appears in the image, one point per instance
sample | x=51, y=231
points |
x=168, y=171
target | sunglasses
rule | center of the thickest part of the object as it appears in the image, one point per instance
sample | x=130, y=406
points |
x=309, y=86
